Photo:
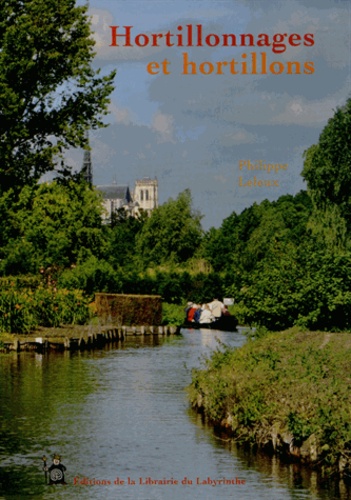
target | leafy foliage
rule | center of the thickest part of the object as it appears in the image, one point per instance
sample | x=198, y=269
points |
x=92, y=275
x=122, y=239
x=49, y=92
x=172, y=233
x=327, y=172
x=23, y=310
x=327, y=167
x=52, y=224
x=172, y=314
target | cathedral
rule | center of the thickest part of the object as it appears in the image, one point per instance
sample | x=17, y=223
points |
x=144, y=197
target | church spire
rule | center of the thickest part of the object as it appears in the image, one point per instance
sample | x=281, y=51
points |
x=87, y=168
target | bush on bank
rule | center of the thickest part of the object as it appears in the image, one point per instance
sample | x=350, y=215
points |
x=24, y=310
x=173, y=314
x=288, y=393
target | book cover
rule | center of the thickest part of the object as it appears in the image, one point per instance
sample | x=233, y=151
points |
x=222, y=98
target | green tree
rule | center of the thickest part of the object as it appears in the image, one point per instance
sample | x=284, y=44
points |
x=258, y=258
x=327, y=170
x=327, y=165
x=122, y=237
x=53, y=224
x=243, y=240
x=218, y=244
x=49, y=92
x=172, y=233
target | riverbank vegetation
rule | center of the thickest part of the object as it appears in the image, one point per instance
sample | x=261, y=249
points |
x=24, y=310
x=286, y=393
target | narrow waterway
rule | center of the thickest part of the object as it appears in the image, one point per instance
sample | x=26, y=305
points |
x=120, y=419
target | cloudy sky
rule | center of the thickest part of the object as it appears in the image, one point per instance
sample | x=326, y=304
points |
x=193, y=130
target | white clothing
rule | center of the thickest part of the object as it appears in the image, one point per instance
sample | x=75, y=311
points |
x=206, y=316
x=216, y=308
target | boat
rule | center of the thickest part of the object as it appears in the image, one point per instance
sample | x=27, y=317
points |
x=224, y=323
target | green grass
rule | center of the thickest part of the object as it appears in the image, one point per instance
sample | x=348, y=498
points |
x=290, y=391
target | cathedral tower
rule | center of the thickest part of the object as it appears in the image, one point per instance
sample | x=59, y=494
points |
x=146, y=194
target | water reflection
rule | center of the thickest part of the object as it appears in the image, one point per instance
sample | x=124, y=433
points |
x=120, y=414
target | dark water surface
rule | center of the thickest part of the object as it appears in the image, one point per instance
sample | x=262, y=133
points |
x=121, y=414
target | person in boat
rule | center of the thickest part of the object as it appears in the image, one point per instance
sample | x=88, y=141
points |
x=190, y=314
x=197, y=314
x=206, y=314
x=186, y=309
x=216, y=307
x=225, y=311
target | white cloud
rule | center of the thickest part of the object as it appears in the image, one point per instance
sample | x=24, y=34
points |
x=101, y=22
x=120, y=115
x=240, y=136
x=300, y=111
x=221, y=178
x=163, y=125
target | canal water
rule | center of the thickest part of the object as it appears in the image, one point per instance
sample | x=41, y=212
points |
x=120, y=419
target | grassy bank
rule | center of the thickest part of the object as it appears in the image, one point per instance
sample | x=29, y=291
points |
x=287, y=392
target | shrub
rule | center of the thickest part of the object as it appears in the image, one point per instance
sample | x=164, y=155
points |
x=172, y=314
x=91, y=276
x=23, y=310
